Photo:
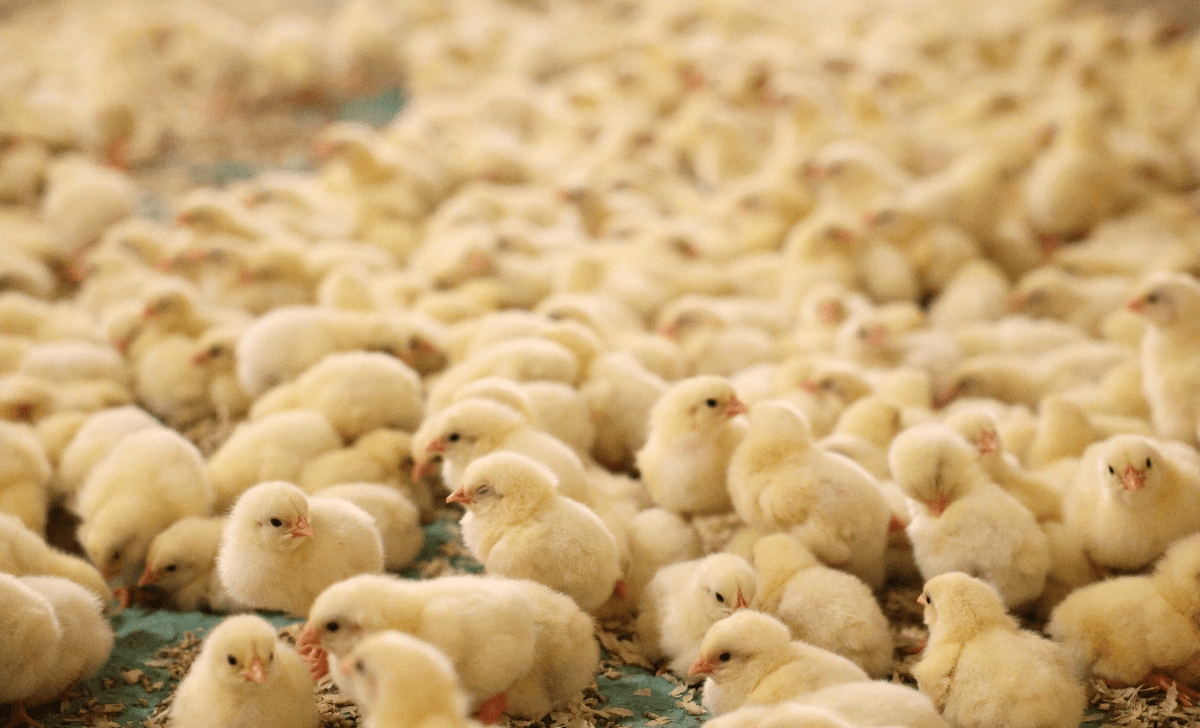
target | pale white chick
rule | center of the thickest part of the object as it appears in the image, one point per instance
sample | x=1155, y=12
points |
x=1132, y=630
x=779, y=479
x=245, y=677
x=693, y=433
x=281, y=549
x=824, y=607
x=961, y=521
x=182, y=563
x=684, y=600
x=1131, y=498
x=25, y=553
x=396, y=518
x=750, y=659
x=93, y=441
x=472, y=428
x=400, y=681
x=24, y=475
x=357, y=391
x=1169, y=352
x=981, y=669
x=54, y=634
x=149, y=480
x=277, y=447
x=519, y=526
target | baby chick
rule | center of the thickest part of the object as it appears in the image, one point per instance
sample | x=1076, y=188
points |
x=24, y=475
x=182, y=563
x=520, y=527
x=1131, y=498
x=963, y=672
x=783, y=715
x=961, y=521
x=400, y=681
x=24, y=553
x=693, y=433
x=396, y=519
x=53, y=633
x=1170, y=370
x=245, y=677
x=750, y=659
x=684, y=600
x=93, y=441
x=281, y=549
x=779, y=479
x=824, y=607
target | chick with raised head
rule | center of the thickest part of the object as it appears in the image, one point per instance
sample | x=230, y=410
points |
x=396, y=518
x=93, y=441
x=684, y=600
x=281, y=549
x=518, y=526
x=357, y=391
x=750, y=659
x=277, y=447
x=980, y=669
x=25, y=553
x=824, y=607
x=213, y=354
x=24, y=475
x=961, y=521
x=779, y=479
x=1131, y=498
x=53, y=633
x=693, y=433
x=1170, y=363
x=149, y=480
x=1131, y=630
x=472, y=428
x=399, y=680
x=182, y=564
x=245, y=676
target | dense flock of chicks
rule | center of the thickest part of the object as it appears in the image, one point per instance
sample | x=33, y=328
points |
x=905, y=294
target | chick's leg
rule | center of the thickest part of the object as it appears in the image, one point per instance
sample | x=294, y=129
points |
x=492, y=708
x=1187, y=696
x=20, y=717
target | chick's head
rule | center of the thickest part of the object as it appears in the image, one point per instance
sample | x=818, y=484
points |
x=462, y=432
x=273, y=515
x=1169, y=300
x=725, y=583
x=780, y=421
x=932, y=464
x=958, y=607
x=1130, y=465
x=181, y=554
x=700, y=404
x=347, y=610
x=979, y=428
x=239, y=654
x=394, y=662
x=115, y=541
x=505, y=482
x=215, y=349
x=736, y=642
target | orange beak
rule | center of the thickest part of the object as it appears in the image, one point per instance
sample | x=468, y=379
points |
x=199, y=359
x=459, y=496
x=1016, y=302
x=937, y=506
x=810, y=386
x=301, y=528
x=877, y=336
x=922, y=600
x=246, y=276
x=1133, y=479
x=438, y=445
x=944, y=397
x=420, y=470
x=347, y=665
x=165, y=265
x=621, y=589
x=149, y=312
x=1137, y=305
x=668, y=331
x=830, y=312
x=895, y=525
x=741, y=601
x=183, y=218
x=701, y=667
x=148, y=576
x=987, y=443
x=736, y=407
x=257, y=672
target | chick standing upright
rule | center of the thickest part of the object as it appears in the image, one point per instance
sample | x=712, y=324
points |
x=520, y=527
x=281, y=549
x=693, y=433
x=244, y=677
x=981, y=670
x=1170, y=353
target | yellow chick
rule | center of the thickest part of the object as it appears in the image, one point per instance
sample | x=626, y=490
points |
x=401, y=681
x=961, y=521
x=684, y=600
x=522, y=359
x=962, y=672
x=1170, y=301
x=25, y=553
x=54, y=635
x=779, y=479
x=750, y=659
x=383, y=456
x=620, y=392
x=149, y=480
x=357, y=391
x=93, y=441
x=245, y=676
x=182, y=563
x=277, y=447
x=464, y=432
x=1132, y=630
x=823, y=607
x=692, y=436
x=213, y=354
x=281, y=549
x=1131, y=498
x=552, y=407
x=656, y=538
x=396, y=518
x=169, y=386
x=24, y=475
x=518, y=526
x=1050, y=292
x=81, y=200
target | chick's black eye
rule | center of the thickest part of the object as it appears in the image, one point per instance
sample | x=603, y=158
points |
x=232, y=659
x=1152, y=298
x=454, y=437
x=710, y=402
x=1111, y=471
x=276, y=522
x=332, y=626
x=720, y=598
x=724, y=657
x=1147, y=463
x=359, y=665
x=171, y=568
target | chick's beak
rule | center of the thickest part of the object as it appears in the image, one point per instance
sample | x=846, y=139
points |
x=937, y=506
x=1133, y=480
x=701, y=667
x=810, y=386
x=301, y=528
x=987, y=443
x=420, y=470
x=199, y=359
x=741, y=601
x=347, y=665
x=1137, y=305
x=148, y=576
x=459, y=496
x=735, y=407
x=922, y=600
x=668, y=331
x=257, y=672
x=1016, y=302
x=438, y=445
